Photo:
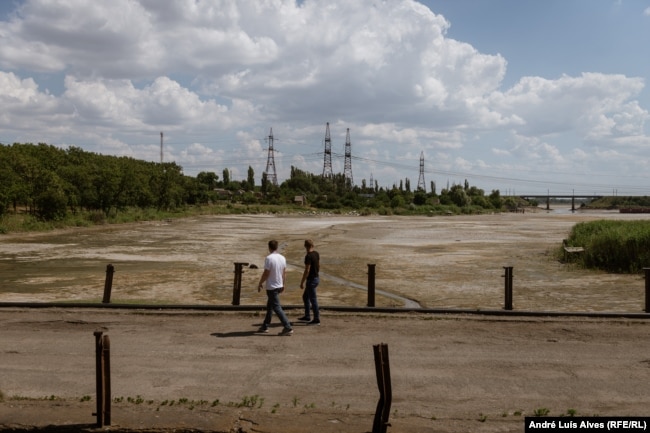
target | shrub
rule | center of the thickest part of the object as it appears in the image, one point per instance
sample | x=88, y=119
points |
x=613, y=246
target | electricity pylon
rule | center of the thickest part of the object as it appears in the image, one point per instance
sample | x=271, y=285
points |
x=347, y=166
x=327, y=162
x=271, y=175
x=421, y=184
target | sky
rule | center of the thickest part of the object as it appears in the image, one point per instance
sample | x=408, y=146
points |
x=523, y=96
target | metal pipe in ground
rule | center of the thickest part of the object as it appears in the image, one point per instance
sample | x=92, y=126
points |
x=508, y=287
x=108, y=284
x=382, y=368
x=371, y=285
x=236, y=288
x=103, y=379
x=647, y=289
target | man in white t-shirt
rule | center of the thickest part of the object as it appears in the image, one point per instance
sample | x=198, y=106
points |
x=275, y=271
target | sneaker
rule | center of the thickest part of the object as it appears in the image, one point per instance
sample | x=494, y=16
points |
x=314, y=323
x=286, y=331
x=305, y=319
x=263, y=329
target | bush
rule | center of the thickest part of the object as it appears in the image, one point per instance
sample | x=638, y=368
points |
x=613, y=246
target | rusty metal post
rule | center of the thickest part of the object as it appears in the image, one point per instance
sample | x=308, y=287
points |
x=108, y=284
x=106, y=358
x=508, y=287
x=103, y=378
x=647, y=289
x=99, y=380
x=236, y=288
x=371, y=285
x=382, y=368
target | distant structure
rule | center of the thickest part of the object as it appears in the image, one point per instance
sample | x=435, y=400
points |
x=271, y=174
x=327, y=163
x=421, y=184
x=161, y=147
x=347, y=166
x=372, y=182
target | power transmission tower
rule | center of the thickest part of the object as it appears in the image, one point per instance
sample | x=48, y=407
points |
x=327, y=163
x=347, y=166
x=161, y=147
x=271, y=175
x=421, y=184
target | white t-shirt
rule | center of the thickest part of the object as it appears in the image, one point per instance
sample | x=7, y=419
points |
x=275, y=263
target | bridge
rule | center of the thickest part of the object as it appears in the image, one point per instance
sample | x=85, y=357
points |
x=573, y=198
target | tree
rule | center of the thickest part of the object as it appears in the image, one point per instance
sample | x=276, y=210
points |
x=208, y=179
x=226, y=177
x=495, y=199
x=251, y=178
x=458, y=196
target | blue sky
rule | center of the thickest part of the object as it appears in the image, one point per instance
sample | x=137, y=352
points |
x=520, y=96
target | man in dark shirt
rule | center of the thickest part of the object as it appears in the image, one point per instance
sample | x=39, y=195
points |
x=309, y=283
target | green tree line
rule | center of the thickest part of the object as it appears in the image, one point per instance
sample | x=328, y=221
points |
x=51, y=183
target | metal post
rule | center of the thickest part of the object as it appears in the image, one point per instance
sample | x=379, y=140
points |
x=382, y=369
x=99, y=379
x=103, y=378
x=371, y=285
x=106, y=357
x=236, y=288
x=508, y=287
x=647, y=289
x=108, y=284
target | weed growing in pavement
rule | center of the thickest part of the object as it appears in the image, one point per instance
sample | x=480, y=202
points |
x=571, y=412
x=248, y=401
x=136, y=400
x=542, y=411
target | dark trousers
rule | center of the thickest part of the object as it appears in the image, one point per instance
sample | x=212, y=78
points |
x=310, y=299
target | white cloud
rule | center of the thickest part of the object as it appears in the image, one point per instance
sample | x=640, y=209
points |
x=590, y=104
x=216, y=75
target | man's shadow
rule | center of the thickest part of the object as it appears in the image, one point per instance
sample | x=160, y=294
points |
x=235, y=334
x=245, y=333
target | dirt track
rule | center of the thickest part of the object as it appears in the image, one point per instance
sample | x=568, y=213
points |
x=450, y=373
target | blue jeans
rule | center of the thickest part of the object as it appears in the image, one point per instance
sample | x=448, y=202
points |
x=273, y=305
x=309, y=297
